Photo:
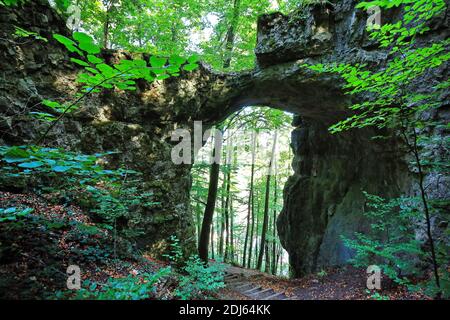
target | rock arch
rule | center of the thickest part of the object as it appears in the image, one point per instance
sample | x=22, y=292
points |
x=322, y=200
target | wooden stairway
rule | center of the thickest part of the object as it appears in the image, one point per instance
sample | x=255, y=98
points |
x=243, y=284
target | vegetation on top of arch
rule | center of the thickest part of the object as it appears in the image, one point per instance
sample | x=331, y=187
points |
x=391, y=100
x=98, y=74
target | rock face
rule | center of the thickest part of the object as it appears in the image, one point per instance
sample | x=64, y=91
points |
x=323, y=199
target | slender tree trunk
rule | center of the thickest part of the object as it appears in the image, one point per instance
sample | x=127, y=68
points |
x=247, y=232
x=212, y=239
x=199, y=222
x=215, y=167
x=231, y=34
x=257, y=227
x=222, y=218
x=231, y=231
x=274, y=227
x=209, y=212
x=426, y=208
x=227, y=216
x=210, y=203
x=266, y=205
x=277, y=260
x=218, y=235
x=281, y=260
x=106, y=24
x=267, y=264
x=251, y=207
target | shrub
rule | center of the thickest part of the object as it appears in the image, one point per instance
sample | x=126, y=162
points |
x=392, y=244
x=200, y=279
x=196, y=279
x=129, y=288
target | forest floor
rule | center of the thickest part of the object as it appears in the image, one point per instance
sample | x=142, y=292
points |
x=35, y=252
x=344, y=283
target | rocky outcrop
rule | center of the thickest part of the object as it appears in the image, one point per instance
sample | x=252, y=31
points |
x=139, y=124
x=322, y=200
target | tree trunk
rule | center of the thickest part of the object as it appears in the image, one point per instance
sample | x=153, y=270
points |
x=231, y=231
x=274, y=226
x=251, y=207
x=210, y=204
x=266, y=205
x=222, y=218
x=253, y=217
x=215, y=167
x=231, y=33
x=227, y=215
x=106, y=24
x=199, y=223
x=212, y=238
x=247, y=230
x=267, y=265
x=426, y=210
x=277, y=261
x=257, y=227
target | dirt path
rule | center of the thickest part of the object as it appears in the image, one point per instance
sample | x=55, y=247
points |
x=345, y=283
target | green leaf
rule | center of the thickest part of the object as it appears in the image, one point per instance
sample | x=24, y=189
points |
x=157, y=62
x=93, y=59
x=61, y=168
x=193, y=59
x=176, y=60
x=163, y=77
x=10, y=210
x=79, y=62
x=52, y=104
x=190, y=67
x=106, y=70
x=16, y=154
x=31, y=165
x=82, y=37
x=89, y=47
x=69, y=44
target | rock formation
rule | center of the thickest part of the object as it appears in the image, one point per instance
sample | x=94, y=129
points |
x=323, y=199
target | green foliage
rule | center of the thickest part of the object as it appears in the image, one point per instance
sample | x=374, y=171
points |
x=10, y=3
x=392, y=102
x=391, y=241
x=120, y=200
x=13, y=213
x=175, y=254
x=322, y=273
x=392, y=244
x=377, y=296
x=196, y=279
x=22, y=33
x=20, y=161
x=129, y=288
x=404, y=33
x=200, y=279
x=124, y=74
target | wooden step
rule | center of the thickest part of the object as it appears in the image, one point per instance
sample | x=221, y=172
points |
x=253, y=289
x=271, y=297
x=259, y=293
x=242, y=286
